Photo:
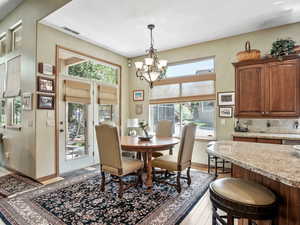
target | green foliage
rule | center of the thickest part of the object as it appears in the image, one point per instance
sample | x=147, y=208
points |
x=96, y=71
x=282, y=47
x=17, y=110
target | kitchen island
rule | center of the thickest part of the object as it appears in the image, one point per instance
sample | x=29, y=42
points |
x=275, y=166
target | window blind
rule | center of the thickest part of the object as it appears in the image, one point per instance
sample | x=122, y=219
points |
x=77, y=92
x=2, y=79
x=184, y=89
x=13, y=79
x=107, y=95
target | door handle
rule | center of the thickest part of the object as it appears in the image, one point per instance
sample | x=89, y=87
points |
x=61, y=130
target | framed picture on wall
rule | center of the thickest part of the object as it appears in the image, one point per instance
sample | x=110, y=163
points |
x=45, y=85
x=46, y=69
x=226, y=98
x=27, y=101
x=45, y=101
x=225, y=112
x=138, y=95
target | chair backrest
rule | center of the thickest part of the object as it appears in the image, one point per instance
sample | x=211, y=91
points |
x=109, y=146
x=164, y=128
x=187, y=144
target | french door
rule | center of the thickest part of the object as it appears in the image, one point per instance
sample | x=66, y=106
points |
x=76, y=133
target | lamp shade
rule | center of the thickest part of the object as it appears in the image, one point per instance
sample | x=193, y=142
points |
x=133, y=123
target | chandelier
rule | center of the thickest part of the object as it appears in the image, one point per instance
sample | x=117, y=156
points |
x=151, y=69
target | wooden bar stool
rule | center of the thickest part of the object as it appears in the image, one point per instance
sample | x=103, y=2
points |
x=241, y=199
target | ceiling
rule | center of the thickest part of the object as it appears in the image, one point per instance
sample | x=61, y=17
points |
x=120, y=25
x=6, y=6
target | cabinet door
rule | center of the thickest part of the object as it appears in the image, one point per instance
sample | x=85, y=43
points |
x=269, y=141
x=283, y=85
x=249, y=84
x=245, y=139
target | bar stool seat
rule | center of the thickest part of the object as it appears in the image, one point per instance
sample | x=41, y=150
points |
x=242, y=199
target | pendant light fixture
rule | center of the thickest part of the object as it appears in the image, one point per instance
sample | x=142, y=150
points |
x=152, y=69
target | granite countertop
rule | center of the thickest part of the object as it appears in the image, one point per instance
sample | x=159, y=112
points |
x=277, y=162
x=282, y=136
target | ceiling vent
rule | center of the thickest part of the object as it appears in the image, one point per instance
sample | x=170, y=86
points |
x=70, y=30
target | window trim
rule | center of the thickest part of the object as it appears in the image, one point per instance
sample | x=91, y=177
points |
x=180, y=81
x=13, y=30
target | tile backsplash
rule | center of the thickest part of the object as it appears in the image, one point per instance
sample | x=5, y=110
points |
x=271, y=125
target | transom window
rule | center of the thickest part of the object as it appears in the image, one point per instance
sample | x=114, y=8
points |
x=16, y=37
x=80, y=66
x=188, y=95
x=195, y=67
x=3, y=45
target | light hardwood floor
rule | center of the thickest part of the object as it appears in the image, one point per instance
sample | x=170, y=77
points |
x=201, y=214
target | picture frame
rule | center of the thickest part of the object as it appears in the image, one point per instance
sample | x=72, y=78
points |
x=139, y=109
x=45, y=84
x=45, y=101
x=46, y=69
x=226, y=98
x=138, y=95
x=225, y=112
x=27, y=101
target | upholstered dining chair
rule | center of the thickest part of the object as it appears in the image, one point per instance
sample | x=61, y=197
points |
x=181, y=161
x=111, y=161
x=164, y=128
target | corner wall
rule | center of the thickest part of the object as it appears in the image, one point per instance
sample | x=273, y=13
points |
x=21, y=144
x=47, y=40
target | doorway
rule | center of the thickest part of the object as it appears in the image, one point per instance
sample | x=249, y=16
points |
x=88, y=95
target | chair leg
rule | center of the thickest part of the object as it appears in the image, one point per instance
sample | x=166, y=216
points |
x=189, y=181
x=166, y=173
x=214, y=218
x=208, y=163
x=139, y=178
x=120, y=187
x=171, y=151
x=178, y=187
x=216, y=166
x=230, y=220
x=102, y=181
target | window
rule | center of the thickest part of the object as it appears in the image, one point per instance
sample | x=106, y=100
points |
x=3, y=45
x=16, y=111
x=16, y=34
x=95, y=71
x=201, y=113
x=2, y=112
x=77, y=130
x=195, y=67
x=188, y=95
x=108, y=113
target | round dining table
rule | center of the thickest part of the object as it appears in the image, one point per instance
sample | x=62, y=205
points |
x=146, y=148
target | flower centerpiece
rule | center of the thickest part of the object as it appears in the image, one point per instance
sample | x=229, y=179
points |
x=144, y=126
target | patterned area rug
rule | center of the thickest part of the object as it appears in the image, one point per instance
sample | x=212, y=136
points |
x=12, y=183
x=79, y=201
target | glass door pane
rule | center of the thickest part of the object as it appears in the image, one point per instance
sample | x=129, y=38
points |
x=77, y=131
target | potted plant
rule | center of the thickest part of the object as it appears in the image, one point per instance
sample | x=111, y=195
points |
x=283, y=47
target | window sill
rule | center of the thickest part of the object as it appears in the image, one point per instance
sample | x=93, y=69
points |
x=12, y=127
x=204, y=138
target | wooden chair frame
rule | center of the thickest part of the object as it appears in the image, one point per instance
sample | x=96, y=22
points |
x=179, y=176
x=123, y=186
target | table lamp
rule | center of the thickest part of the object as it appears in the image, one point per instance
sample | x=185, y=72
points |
x=131, y=124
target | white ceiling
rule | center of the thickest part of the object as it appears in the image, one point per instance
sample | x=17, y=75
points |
x=6, y=6
x=120, y=25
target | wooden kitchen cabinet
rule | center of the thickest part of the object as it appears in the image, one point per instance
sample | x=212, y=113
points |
x=268, y=88
x=258, y=140
x=249, y=90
